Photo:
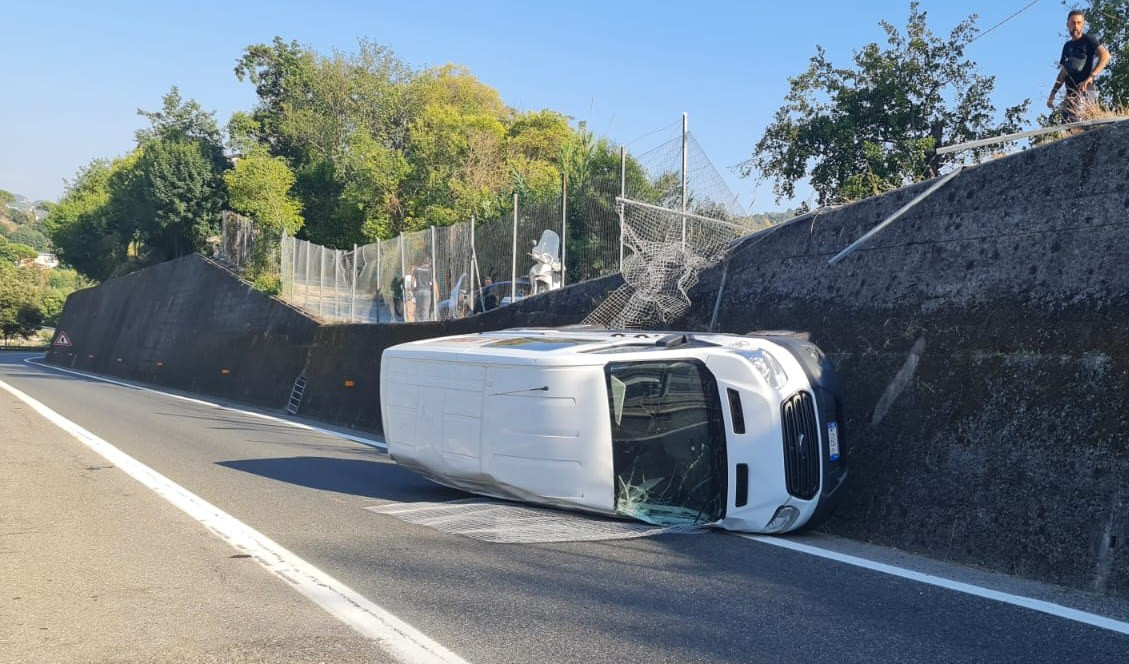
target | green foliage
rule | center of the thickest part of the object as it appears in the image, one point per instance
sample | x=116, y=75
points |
x=51, y=288
x=170, y=200
x=1108, y=20
x=21, y=313
x=6, y=197
x=31, y=297
x=455, y=151
x=373, y=174
x=14, y=252
x=259, y=186
x=268, y=283
x=181, y=121
x=30, y=237
x=81, y=226
x=379, y=149
x=860, y=131
x=21, y=217
x=593, y=167
x=176, y=199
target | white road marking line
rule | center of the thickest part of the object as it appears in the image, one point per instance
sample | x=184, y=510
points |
x=401, y=640
x=1007, y=598
x=958, y=586
x=298, y=425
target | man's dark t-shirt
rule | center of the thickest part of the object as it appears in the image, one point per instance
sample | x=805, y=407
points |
x=422, y=277
x=1078, y=59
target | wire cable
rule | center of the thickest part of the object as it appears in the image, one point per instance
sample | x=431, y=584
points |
x=1029, y=6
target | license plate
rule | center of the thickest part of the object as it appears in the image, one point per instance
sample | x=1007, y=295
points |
x=833, y=440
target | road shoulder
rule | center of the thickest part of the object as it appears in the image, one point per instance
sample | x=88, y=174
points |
x=96, y=568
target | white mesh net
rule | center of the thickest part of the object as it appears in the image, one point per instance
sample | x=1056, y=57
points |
x=664, y=251
x=512, y=523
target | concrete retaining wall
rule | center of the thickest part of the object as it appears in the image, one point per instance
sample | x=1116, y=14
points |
x=187, y=324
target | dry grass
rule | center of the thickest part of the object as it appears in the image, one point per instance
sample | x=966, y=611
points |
x=1089, y=111
x=1095, y=111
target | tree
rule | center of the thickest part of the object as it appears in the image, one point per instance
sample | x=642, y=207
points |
x=81, y=226
x=455, y=149
x=379, y=149
x=14, y=252
x=330, y=118
x=169, y=197
x=30, y=237
x=858, y=132
x=181, y=198
x=259, y=186
x=1109, y=21
x=20, y=313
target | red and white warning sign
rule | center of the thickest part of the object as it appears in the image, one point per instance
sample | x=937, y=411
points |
x=61, y=339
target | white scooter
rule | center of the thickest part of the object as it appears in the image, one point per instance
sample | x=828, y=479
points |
x=546, y=273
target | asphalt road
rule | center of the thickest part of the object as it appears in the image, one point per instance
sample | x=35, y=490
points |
x=712, y=597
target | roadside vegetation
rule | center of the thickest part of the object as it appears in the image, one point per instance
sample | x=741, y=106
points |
x=31, y=295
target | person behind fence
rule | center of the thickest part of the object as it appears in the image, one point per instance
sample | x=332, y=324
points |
x=1077, y=69
x=398, y=297
x=421, y=279
x=489, y=295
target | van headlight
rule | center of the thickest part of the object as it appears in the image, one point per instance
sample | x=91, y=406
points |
x=767, y=366
x=783, y=519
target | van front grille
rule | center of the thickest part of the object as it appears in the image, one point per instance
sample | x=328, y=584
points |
x=801, y=446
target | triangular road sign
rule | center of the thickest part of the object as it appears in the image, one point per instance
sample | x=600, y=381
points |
x=61, y=339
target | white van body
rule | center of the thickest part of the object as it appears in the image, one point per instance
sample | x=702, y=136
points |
x=741, y=432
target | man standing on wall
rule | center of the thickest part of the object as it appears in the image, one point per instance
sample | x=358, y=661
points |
x=421, y=278
x=1077, y=68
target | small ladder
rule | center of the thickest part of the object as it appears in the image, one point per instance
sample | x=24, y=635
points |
x=296, y=394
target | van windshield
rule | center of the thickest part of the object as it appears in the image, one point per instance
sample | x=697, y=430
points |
x=668, y=441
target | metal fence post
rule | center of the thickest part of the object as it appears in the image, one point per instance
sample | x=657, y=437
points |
x=685, y=134
x=564, y=225
x=294, y=270
x=403, y=280
x=321, y=283
x=434, y=279
x=622, y=194
x=513, y=256
x=306, y=290
x=475, y=275
x=353, y=299
x=378, y=297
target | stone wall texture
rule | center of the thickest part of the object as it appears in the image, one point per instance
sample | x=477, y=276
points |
x=982, y=340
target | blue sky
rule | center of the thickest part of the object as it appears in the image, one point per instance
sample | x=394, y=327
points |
x=75, y=73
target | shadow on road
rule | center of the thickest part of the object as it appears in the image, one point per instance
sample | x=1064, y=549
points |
x=371, y=479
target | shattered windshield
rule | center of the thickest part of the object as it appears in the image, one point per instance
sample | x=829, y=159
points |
x=668, y=441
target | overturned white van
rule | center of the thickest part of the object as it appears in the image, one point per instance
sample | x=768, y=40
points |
x=741, y=432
